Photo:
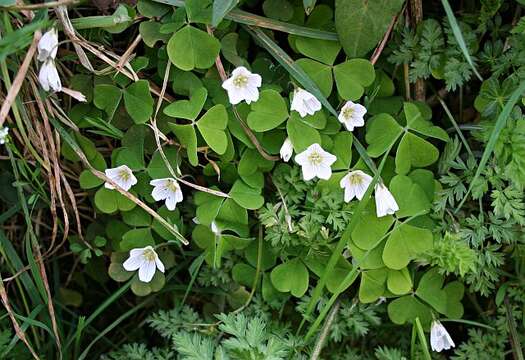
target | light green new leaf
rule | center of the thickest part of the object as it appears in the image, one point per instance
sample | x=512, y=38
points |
x=399, y=282
x=352, y=77
x=268, y=112
x=410, y=196
x=414, y=151
x=191, y=48
x=383, y=131
x=212, y=125
x=404, y=243
x=418, y=123
x=138, y=101
x=291, y=276
x=370, y=229
x=188, y=109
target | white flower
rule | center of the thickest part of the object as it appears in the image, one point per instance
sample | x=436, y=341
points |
x=3, y=135
x=385, y=202
x=167, y=189
x=286, y=150
x=48, y=45
x=146, y=261
x=439, y=337
x=305, y=103
x=242, y=85
x=351, y=115
x=122, y=175
x=48, y=77
x=215, y=229
x=315, y=162
x=355, y=184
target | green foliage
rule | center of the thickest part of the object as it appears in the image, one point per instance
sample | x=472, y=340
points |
x=270, y=257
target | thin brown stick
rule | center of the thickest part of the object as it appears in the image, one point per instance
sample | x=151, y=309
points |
x=19, y=78
x=46, y=5
x=18, y=330
x=325, y=331
x=124, y=58
x=380, y=48
x=157, y=133
x=416, y=11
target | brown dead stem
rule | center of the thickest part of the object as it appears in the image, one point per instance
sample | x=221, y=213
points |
x=18, y=330
x=19, y=79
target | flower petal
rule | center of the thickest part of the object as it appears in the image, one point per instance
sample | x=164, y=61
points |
x=133, y=263
x=159, y=264
x=146, y=271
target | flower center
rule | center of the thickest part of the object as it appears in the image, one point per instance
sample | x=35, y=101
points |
x=172, y=186
x=240, y=81
x=315, y=158
x=355, y=179
x=149, y=255
x=124, y=175
x=348, y=112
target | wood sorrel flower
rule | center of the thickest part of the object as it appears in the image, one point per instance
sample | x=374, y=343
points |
x=3, y=135
x=439, y=337
x=286, y=150
x=146, y=261
x=48, y=46
x=242, y=85
x=167, y=189
x=316, y=162
x=305, y=103
x=355, y=184
x=385, y=202
x=351, y=115
x=122, y=175
x=48, y=77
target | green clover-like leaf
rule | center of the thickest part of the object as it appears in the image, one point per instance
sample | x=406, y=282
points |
x=188, y=109
x=268, y=112
x=404, y=243
x=352, y=76
x=138, y=101
x=291, y=276
x=191, y=48
x=212, y=127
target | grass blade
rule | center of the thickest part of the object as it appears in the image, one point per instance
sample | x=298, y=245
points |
x=501, y=121
x=220, y=9
x=422, y=339
x=459, y=36
x=246, y=18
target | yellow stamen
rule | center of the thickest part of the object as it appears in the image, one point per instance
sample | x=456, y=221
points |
x=149, y=255
x=315, y=158
x=240, y=81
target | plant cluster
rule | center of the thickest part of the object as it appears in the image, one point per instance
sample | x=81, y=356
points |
x=258, y=180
